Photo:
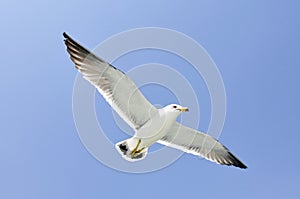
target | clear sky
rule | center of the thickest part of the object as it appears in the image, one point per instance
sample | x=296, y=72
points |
x=255, y=45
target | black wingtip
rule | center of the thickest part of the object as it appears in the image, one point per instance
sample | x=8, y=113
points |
x=237, y=162
x=66, y=36
x=241, y=165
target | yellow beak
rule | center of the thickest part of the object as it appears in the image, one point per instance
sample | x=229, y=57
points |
x=183, y=109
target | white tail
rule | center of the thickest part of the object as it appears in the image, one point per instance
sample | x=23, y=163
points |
x=124, y=149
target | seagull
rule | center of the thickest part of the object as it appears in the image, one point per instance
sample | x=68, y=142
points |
x=150, y=124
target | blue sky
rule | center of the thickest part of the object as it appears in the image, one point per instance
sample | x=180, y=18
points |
x=255, y=45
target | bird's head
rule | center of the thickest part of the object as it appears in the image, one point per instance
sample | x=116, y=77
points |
x=175, y=109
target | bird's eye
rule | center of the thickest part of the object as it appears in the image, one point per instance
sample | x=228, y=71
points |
x=174, y=106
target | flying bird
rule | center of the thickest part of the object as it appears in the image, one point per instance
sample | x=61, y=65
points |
x=149, y=123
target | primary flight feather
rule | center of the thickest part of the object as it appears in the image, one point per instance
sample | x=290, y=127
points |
x=149, y=123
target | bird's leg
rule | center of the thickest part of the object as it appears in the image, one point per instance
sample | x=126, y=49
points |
x=140, y=150
x=134, y=151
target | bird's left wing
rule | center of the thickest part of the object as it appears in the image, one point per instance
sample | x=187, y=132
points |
x=118, y=89
x=200, y=144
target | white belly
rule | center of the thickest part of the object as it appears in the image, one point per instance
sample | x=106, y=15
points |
x=153, y=130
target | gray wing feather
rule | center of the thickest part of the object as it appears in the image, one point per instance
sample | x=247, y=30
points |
x=200, y=144
x=118, y=89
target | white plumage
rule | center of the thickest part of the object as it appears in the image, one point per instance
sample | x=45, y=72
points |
x=150, y=124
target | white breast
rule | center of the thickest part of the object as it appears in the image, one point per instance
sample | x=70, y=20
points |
x=155, y=128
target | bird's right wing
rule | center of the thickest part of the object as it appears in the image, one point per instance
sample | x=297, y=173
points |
x=118, y=89
x=200, y=144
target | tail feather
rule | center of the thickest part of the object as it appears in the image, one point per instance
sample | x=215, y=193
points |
x=124, y=149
